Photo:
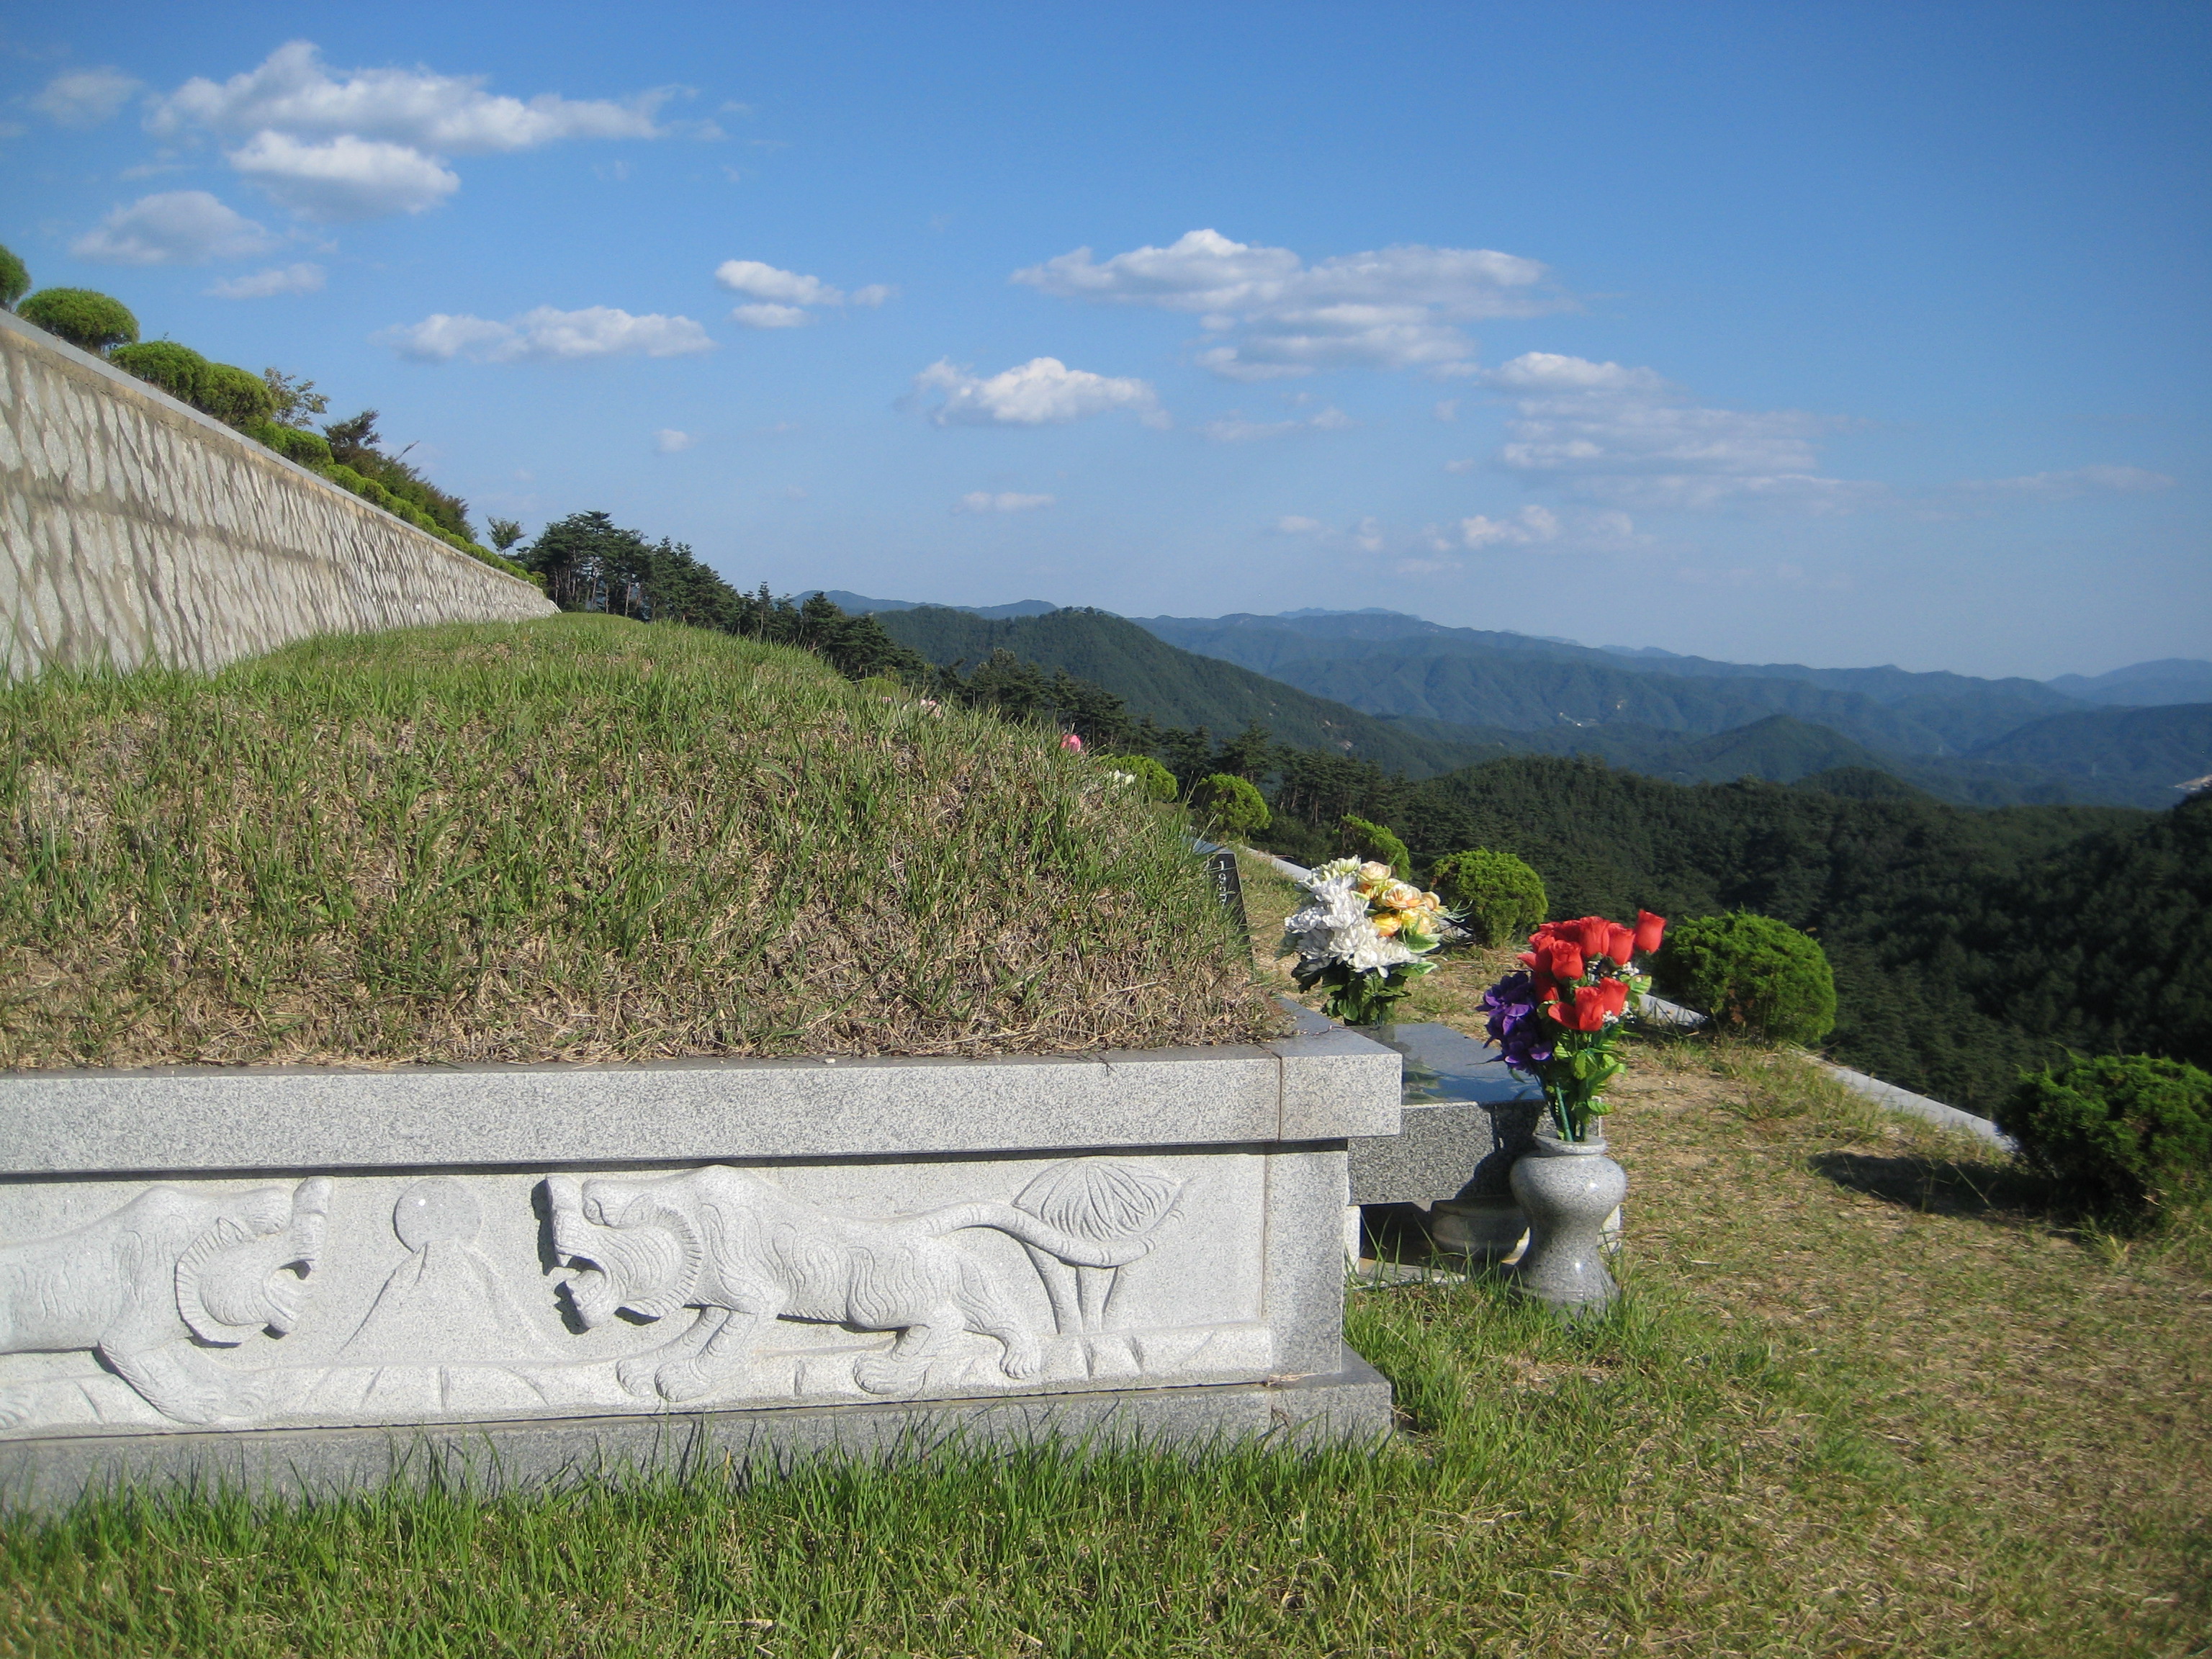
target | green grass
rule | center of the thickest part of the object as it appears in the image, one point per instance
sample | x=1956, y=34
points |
x=1864, y=1398
x=579, y=838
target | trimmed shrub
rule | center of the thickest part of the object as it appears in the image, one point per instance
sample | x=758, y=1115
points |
x=309, y=449
x=81, y=316
x=234, y=395
x=176, y=369
x=1358, y=838
x=1500, y=898
x=2120, y=1131
x=15, y=279
x=1153, y=780
x=1751, y=973
x=1229, y=805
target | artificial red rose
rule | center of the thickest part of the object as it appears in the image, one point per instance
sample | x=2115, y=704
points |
x=1562, y=961
x=1531, y=961
x=1620, y=944
x=1611, y=995
x=1592, y=934
x=1547, y=988
x=1585, y=1013
x=1650, y=931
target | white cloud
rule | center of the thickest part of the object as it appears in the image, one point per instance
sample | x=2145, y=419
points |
x=177, y=227
x=1465, y=463
x=1043, y=392
x=1531, y=525
x=669, y=441
x=982, y=501
x=354, y=144
x=1545, y=371
x=2078, y=481
x=1625, y=435
x=1233, y=428
x=759, y=281
x=1398, y=307
x=546, y=335
x=767, y=316
x=345, y=178
x=1367, y=537
x=779, y=297
x=292, y=92
x=1291, y=524
x=85, y=98
x=1447, y=409
x=304, y=278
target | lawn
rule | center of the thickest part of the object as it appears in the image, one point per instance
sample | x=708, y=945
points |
x=1864, y=1397
x=581, y=838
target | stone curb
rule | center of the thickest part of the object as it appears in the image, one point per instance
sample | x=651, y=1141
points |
x=1351, y=1406
x=173, y=1120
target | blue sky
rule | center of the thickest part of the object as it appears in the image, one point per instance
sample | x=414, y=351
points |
x=1840, y=335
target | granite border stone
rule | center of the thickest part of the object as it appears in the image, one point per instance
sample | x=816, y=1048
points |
x=212, y=1120
x=1349, y=1405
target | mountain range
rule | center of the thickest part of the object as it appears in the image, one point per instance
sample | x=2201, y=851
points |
x=1422, y=698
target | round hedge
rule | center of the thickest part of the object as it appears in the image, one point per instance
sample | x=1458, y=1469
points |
x=1358, y=838
x=1231, y=805
x=236, y=395
x=1153, y=780
x=2118, y=1131
x=86, y=319
x=15, y=278
x=176, y=369
x=1500, y=899
x=1752, y=973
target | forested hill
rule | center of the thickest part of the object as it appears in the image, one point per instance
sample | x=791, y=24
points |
x=1965, y=943
x=1386, y=664
x=1177, y=688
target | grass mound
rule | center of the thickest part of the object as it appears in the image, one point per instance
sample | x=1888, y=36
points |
x=579, y=838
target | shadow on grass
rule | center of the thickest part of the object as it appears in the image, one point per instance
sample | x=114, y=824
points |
x=1940, y=1186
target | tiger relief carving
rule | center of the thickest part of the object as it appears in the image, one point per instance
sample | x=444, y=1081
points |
x=145, y=1286
x=744, y=1253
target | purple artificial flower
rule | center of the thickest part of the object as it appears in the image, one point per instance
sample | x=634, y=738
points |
x=1522, y=1035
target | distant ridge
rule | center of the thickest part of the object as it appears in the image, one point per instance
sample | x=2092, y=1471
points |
x=860, y=605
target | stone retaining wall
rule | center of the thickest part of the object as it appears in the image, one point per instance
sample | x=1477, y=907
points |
x=134, y=529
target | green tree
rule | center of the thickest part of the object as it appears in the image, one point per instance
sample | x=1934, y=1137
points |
x=15, y=279
x=1229, y=805
x=2123, y=1131
x=354, y=443
x=86, y=319
x=1751, y=973
x=292, y=401
x=504, y=532
x=1500, y=897
x=1153, y=780
x=1358, y=838
x=176, y=369
x=234, y=396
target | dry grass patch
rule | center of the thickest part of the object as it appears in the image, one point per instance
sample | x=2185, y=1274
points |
x=579, y=838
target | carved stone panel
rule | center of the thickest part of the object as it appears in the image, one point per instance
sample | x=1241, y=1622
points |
x=368, y=1300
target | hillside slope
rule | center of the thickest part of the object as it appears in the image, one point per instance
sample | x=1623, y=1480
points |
x=1178, y=689
x=2142, y=756
x=1937, y=920
x=1403, y=664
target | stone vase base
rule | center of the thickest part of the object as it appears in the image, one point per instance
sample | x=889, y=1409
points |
x=1569, y=1190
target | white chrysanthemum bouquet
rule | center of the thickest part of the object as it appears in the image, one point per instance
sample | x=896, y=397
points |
x=1364, y=937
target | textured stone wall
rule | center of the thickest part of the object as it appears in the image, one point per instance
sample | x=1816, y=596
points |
x=134, y=529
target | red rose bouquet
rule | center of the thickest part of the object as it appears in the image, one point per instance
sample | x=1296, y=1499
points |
x=1556, y=1019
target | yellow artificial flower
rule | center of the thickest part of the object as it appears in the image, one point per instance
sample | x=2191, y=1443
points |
x=1388, y=924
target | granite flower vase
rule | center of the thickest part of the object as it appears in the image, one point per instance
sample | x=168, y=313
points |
x=1567, y=1189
